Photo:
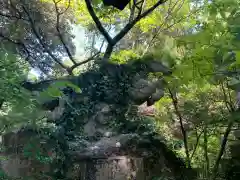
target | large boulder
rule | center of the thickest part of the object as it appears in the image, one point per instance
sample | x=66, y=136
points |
x=139, y=156
x=99, y=114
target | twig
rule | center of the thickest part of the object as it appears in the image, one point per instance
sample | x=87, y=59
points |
x=227, y=103
x=196, y=145
x=230, y=97
x=140, y=8
x=206, y=148
x=168, y=27
x=85, y=61
x=159, y=28
x=132, y=11
x=16, y=42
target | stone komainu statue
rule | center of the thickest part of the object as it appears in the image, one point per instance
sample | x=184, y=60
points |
x=107, y=92
x=111, y=83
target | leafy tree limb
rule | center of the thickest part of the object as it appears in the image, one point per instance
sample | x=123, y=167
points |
x=113, y=41
x=196, y=144
x=59, y=31
x=225, y=136
x=34, y=29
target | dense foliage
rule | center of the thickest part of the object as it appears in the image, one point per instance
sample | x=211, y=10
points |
x=197, y=40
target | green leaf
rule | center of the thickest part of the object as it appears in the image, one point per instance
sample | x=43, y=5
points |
x=60, y=84
x=54, y=92
x=64, y=84
x=237, y=57
x=96, y=2
x=73, y=86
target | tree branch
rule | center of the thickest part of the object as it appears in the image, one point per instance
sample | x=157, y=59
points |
x=108, y=52
x=196, y=145
x=113, y=41
x=85, y=61
x=159, y=30
x=227, y=103
x=229, y=96
x=59, y=32
x=184, y=133
x=222, y=149
x=31, y=21
x=170, y=9
x=143, y=15
x=132, y=11
x=98, y=23
x=205, y=133
x=25, y=49
x=17, y=43
x=129, y=26
x=88, y=59
x=17, y=15
x=225, y=136
x=142, y=3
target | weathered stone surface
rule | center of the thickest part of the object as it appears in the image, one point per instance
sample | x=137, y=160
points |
x=90, y=128
x=113, y=168
x=99, y=157
x=236, y=133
